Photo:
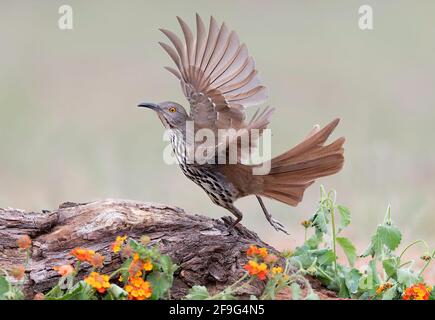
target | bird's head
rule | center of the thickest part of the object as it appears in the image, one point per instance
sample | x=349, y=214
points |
x=172, y=114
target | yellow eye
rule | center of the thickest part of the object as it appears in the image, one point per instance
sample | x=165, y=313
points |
x=172, y=109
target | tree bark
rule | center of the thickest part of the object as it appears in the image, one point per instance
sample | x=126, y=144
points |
x=206, y=252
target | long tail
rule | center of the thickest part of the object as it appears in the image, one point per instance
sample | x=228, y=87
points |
x=295, y=170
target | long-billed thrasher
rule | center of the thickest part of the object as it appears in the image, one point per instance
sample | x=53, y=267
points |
x=219, y=79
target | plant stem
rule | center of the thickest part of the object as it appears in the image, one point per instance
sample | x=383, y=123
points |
x=230, y=289
x=412, y=244
x=427, y=264
x=333, y=238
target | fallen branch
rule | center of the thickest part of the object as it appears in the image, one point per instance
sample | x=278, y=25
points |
x=206, y=252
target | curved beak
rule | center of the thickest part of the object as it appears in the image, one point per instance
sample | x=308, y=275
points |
x=150, y=105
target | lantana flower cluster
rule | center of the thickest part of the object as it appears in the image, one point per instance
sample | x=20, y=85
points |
x=136, y=285
x=418, y=291
x=261, y=264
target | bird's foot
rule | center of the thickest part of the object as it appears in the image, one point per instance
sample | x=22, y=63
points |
x=277, y=225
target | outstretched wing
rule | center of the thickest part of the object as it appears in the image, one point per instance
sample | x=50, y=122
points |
x=217, y=75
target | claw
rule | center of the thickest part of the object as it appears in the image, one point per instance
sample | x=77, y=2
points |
x=275, y=223
x=278, y=225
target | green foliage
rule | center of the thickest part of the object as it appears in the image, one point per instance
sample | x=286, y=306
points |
x=386, y=276
x=318, y=256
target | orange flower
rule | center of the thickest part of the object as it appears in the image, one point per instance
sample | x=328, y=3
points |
x=383, y=287
x=254, y=250
x=64, y=270
x=83, y=255
x=417, y=292
x=148, y=266
x=96, y=260
x=24, y=242
x=138, y=289
x=116, y=246
x=98, y=282
x=256, y=269
x=18, y=272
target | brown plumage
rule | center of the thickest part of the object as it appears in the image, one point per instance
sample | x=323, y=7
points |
x=219, y=79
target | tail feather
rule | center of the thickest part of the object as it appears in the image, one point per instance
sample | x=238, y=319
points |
x=295, y=170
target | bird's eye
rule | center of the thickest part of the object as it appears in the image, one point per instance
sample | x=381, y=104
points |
x=172, y=109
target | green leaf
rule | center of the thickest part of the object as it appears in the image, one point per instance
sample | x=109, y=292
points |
x=351, y=279
x=375, y=247
x=117, y=292
x=390, y=266
x=390, y=294
x=226, y=296
x=390, y=236
x=4, y=287
x=326, y=257
x=370, y=281
x=374, y=272
x=386, y=235
x=198, y=293
x=160, y=283
x=81, y=291
x=167, y=265
x=407, y=277
x=348, y=248
x=344, y=217
x=312, y=296
x=314, y=241
x=296, y=291
x=320, y=221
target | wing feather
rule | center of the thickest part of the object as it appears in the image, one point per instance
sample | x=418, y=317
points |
x=217, y=76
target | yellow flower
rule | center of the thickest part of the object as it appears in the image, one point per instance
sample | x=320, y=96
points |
x=256, y=269
x=277, y=270
x=148, y=266
x=138, y=289
x=116, y=246
x=98, y=282
x=306, y=224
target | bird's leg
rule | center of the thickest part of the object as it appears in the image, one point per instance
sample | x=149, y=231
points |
x=238, y=215
x=275, y=223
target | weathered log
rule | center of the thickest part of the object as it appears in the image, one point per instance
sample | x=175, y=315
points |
x=206, y=252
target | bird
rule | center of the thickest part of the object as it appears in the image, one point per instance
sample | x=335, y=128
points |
x=220, y=81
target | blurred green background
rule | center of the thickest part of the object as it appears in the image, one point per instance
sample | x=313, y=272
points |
x=70, y=129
